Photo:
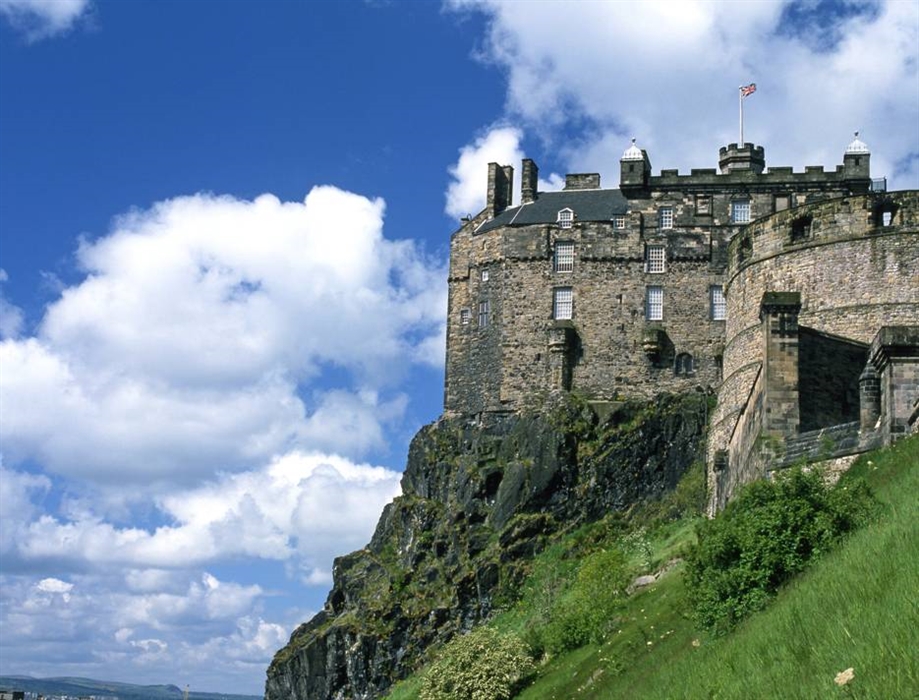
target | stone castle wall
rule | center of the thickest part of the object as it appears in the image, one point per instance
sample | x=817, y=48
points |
x=509, y=362
x=609, y=349
x=854, y=275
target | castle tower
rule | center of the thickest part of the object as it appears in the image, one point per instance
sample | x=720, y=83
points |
x=634, y=168
x=856, y=161
x=746, y=157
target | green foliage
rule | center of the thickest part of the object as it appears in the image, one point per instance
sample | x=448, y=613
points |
x=481, y=665
x=588, y=612
x=764, y=537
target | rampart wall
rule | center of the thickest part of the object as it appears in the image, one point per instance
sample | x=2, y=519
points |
x=855, y=262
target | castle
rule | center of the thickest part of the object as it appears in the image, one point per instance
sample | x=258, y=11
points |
x=795, y=295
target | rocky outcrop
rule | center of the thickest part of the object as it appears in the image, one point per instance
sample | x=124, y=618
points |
x=481, y=496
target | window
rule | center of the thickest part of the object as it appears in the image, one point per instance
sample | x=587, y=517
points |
x=564, y=256
x=801, y=228
x=655, y=259
x=484, y=308
x=719, y=307
x=744, y=249
x=654, y=304
x=683, y=365
x=740, y=211
x=665, y=217
x=565, y=218
x=484, y=275
x=465, y=317
x=886, y=218
x=562, y=303
x=619, y=222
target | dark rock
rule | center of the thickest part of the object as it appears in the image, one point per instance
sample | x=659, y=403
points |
x=480, y=497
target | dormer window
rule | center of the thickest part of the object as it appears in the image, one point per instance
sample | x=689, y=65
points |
x=665, y=217
x=619, y=222
x=565, y=218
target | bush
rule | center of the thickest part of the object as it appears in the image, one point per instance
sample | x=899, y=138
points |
x=769, y=533
x=588, y=612
x=481, y=665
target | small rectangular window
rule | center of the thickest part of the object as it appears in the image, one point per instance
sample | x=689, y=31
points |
x=740, y=212
x=562, y=303
x=666, y=217
x=465, y=317
x=655, y=259
x=484, y=308
x=654, y=304
x=565, y=218
x=719, y=308
x=564, y=256
x=619, y=222
x=484, y=275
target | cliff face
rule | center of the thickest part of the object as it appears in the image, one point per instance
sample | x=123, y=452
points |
x=480, y=497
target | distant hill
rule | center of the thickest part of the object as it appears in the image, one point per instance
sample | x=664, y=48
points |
x=125, y=691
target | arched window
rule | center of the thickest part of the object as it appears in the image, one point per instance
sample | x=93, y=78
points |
x=683, y=365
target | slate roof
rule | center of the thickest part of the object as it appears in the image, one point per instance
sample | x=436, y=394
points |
x=588, y=205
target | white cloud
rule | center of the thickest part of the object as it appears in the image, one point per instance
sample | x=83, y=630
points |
x=40, y=19
x=11, y=317
x=208, y=625
x=301, y=508
x=201, y=326
x=588, y=76
x=467, y=189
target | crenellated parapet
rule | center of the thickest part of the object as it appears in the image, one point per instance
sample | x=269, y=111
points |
x=852, y=262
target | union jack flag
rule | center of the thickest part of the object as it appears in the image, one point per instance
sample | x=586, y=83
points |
x=748, y=90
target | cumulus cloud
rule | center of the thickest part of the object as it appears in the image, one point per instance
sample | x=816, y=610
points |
x=91, y=621
x=466, y=191
x=302, y=509
x=41, y=19
x=199, y=333
x=586, y=77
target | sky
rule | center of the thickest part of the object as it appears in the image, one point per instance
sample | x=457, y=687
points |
x=224, y=231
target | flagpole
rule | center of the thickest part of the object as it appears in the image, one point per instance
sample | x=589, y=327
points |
x=740, y=100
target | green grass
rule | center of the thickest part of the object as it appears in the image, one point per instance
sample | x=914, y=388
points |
x=857, y=607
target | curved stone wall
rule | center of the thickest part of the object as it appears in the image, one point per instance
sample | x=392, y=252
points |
x=855, y=262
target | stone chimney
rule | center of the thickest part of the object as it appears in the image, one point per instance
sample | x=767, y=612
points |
x=582, y=181
x=529, y=182
x=500, y=188
x=779, y=317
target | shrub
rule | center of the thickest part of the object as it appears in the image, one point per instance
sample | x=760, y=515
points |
x=588, y=612
x=769, y=533
x=481, y=665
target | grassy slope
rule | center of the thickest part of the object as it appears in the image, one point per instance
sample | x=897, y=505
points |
x=858, y=607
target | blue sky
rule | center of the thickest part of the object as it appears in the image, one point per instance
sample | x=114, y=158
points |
x=223, y=240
